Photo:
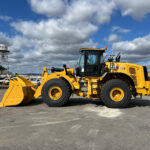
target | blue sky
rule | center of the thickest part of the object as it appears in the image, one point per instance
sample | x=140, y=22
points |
x=21, y=10
x=17, y=10
x=50, y=32
x=138, y=28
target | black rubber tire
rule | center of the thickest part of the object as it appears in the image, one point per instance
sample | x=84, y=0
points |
x=105, y=96
x=65, y=92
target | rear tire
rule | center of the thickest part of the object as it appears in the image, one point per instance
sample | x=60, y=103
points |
x=62, y=98
x=118, y=87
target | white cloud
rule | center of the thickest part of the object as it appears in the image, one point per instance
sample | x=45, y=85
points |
x=31, y=55
x=4, y=39
x=104, y=10
x=135, y=8
x=55, y=41
x=57, y=31
x=99, y=11
x=69, y=26
x=113, y=38
x=83, y=9
x=120, y=30
x=137, y=50
x=50, y=8
x=5, y=18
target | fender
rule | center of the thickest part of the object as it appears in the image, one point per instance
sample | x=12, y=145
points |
x=111, y=75
x=45, y=77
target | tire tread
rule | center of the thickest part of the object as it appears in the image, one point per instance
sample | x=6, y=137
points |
x=105, y=93
x=65, y=95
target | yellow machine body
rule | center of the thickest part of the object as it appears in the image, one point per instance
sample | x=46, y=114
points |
x=135, y=72
x=23, y=91
x=130, y=73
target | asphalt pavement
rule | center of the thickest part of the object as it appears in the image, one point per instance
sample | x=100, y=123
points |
x=81, y=125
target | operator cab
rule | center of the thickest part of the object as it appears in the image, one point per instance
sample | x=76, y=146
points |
x=91, y=62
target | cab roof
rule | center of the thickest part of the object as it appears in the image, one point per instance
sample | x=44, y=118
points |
x=95, y=49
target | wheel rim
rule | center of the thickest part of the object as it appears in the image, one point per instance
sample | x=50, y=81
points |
x=55, y=93
x=117, y=94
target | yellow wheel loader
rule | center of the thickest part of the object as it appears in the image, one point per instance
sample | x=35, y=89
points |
x=112, y=81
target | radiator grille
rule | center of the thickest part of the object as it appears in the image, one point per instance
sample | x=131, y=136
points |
x=132, y=71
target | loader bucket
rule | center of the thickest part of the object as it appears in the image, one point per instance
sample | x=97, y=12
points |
x=20, y=91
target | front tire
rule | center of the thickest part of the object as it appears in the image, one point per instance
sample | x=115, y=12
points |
x=56, y=92
x=116, y=93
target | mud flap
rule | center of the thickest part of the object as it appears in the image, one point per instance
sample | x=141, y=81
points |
x=20, y=91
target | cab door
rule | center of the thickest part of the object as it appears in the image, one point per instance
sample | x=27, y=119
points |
x=93, y=63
